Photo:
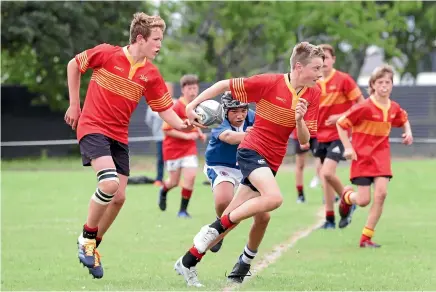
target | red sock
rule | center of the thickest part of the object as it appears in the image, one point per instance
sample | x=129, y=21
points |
x=194, y=251
x=164, y=187
x=300, y=190
x=90, y=229
x=186, y=194
x=226, y=222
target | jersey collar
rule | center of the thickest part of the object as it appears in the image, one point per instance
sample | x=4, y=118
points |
x=130, y=58
x=295, y=96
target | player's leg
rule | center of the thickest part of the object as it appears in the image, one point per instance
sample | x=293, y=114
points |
x=380, y=193
x=257, y=232
x=189, y=171
x=334, y=154
x=315, y=180
x=95, y=149
x=120, y=156
x=329, y=194
x=223, y=195
x=159, y=164
x=174, y=172
x=300, y=160
x=350, y=198
x=186, y=265
x=260, y=179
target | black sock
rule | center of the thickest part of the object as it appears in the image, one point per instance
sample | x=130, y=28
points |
x=184, y=204
x=90, y=233
x=330, y=216
x=218, y=226
x=98, y=241
x=189, y=260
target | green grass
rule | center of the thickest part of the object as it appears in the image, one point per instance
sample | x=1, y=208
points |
x=43, y=209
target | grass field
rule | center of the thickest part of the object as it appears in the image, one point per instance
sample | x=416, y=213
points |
x=44, y=205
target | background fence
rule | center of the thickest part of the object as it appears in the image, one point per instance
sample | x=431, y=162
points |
x=22, y=122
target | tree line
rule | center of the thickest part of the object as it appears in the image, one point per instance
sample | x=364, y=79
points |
x=216, y=40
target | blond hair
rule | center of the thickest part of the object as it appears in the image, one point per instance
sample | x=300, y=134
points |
x=327, y=47
x=142, y=24
x=188, y=79
x=304, y=52
x=378, y=73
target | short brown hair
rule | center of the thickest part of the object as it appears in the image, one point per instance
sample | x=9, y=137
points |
x=188, y=79
x=142, y=24
x=304, y=52
x=327, y=47
x=378, y=73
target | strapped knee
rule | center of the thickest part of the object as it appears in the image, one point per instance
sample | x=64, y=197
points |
x=108, y=174
x=108, y=185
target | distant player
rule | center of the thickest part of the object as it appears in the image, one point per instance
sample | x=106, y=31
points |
x=339, y=93
x=281, y=103
x=300, y=162
x=180, y=150
x=122, y=75
x=369, y=150
x=224, y=175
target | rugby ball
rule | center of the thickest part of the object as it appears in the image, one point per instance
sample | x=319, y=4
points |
x=211, y=113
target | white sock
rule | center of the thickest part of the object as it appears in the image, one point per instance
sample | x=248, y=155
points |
x=248, y=255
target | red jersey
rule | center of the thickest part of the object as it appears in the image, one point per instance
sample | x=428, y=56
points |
x=275, y=100
x=175, y=148
x=116, y=86
x=371, y=125
x=338, y=94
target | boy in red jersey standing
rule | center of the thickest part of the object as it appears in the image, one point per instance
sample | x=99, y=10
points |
x=371, y=123
x=339, y=93
x=282, y=101
x=121, y=76
x=180, y=150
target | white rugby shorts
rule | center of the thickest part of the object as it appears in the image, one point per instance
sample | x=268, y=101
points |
x=218, y=174
x=190, y=161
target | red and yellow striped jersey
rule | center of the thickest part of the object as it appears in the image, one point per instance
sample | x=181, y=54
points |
x=371, y=124
x=275, y=100
x=116, y=86
x=338, y=94
x=175, y=148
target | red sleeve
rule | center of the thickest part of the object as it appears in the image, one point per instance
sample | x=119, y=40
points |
x=156, y=93
x=311, y=116
x=352, y=91
x=93, y=58
x=400, y=119
x=354, y=117
x=250, y=89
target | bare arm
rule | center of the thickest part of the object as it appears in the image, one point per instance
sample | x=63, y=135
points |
x=73, y=112
x=349, y=152
x=303, y=133
x=172, y=119
x=407, y=135
x=73, y=75
x=211, y=92
x=343, y=135
x=232, y=137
